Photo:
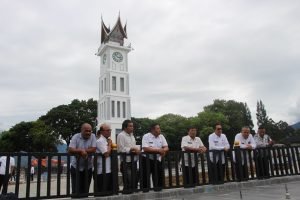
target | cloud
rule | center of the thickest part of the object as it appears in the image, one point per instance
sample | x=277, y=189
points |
x=186, y=55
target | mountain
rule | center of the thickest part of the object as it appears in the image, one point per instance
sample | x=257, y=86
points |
x=296, y=126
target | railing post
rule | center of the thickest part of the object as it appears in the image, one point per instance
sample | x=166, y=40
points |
x=290, y=166
x=270, y=165
x=6, y=175
x=39, y=176
x=18, y=174
x=28, y=175
x=49, y=176
x=114, y=169
x=169, y=171
x=274, y=153
x=68, y=174
x=294, y=160
x=203, y=168
x=251, y=163
x=238, y=163
x=196, y=168
x=177, y=169
x=58, y=175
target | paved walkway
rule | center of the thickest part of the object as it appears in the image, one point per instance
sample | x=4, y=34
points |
x=274, y=192
x=270, y=189
x=273, y=188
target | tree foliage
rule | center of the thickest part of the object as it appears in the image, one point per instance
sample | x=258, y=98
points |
x=29, y=137
x=237, y=113
x=261, y=114
x=65, y=120
x=61, y=122
x=141, y=126
x=205, y=122
x=174, y=127
x=277, y=130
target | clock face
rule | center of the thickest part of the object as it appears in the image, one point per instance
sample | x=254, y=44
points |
x=104, y=59
x=117, y=56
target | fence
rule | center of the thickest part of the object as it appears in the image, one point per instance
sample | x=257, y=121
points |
x=176, y=169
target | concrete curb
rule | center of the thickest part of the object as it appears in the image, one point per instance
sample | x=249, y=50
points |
x=179, y=192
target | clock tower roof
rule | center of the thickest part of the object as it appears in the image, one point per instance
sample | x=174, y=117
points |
x=116, y=34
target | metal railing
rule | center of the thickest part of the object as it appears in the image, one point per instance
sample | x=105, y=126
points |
x=145, y=172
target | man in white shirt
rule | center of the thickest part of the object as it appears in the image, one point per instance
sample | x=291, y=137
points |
x=156, y=145
x=263, y=141
x=218, y=146
x=103, y=146
x=4, y=176
x=191, y=145
x=127, y=145
x=81, y=145
x=246, y=142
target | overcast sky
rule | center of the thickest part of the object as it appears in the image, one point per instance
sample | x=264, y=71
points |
x=186, y=54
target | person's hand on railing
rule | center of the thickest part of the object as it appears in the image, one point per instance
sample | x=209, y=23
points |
x=135, y=150
x=271, y=142
x=109, y=141
x=226, y=149
x=162, y=152
x=202, y=149
x=83, y=154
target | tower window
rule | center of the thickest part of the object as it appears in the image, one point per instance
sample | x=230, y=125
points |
x=104, y=110
x=118, y=109
x=104, y=84
x=114, y=83
x=101, y=86
x=122, y=84
x=124, y=109
x=112, y=108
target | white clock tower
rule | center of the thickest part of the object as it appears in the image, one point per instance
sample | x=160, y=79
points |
x=114, y=100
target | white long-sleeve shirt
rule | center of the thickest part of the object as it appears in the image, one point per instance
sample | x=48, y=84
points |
x=217, y=143
x=243, y=145
x=245, y=141
x=102, y=147
x=125, y=142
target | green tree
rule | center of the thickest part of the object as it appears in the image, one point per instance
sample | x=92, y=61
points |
x=237, y=113
x=261, y=114
x=43, y=138
x=174, y=127
x=5, y=142
x=205, y=123
x=65, y=120
x=29, y=137
x=141, y=126
x=277, y=130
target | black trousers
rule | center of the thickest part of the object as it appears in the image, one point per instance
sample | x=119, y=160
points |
x=190, y=178
x=104, y=186
x=216, y=172
x=241, y=173
x=130, y=176
x=4, y=183
x=157, y=174
x=262, y=169
x=83, y=188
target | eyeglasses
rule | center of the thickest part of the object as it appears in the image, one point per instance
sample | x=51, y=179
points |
x=219, y=129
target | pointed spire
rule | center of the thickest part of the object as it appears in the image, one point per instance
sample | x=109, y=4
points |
x=125, y=28
x=116, y=34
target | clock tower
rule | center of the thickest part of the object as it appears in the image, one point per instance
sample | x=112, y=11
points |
x=114, y=100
